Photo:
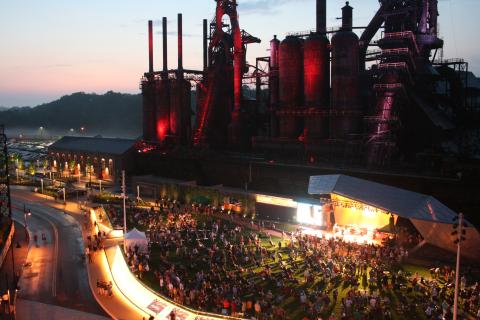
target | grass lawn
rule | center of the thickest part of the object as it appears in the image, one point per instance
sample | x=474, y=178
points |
x=290, y=303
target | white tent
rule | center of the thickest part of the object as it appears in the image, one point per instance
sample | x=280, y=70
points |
x=136, y=238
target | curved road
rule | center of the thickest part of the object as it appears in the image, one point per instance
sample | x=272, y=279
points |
x=57, y=275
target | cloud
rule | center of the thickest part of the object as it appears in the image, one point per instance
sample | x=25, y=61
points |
x=263, y=6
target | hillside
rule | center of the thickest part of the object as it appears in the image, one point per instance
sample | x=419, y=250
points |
x=113, y=114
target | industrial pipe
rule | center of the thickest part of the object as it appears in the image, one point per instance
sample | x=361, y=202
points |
x=205, y=45
x=165, y=49
x=180, y=43
x=347, y=23
x=321, y=16
x=150, y=47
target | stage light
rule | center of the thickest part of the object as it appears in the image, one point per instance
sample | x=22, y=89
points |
x=368, y=212
x=277, y=201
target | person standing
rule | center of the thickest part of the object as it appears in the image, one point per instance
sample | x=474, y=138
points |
x=88, y=254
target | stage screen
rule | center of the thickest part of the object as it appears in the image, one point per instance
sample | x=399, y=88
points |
x=310, y=214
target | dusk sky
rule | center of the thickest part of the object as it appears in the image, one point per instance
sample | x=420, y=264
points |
x=57, y=47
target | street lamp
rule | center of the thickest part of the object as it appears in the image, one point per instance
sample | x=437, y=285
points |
x=41, y=183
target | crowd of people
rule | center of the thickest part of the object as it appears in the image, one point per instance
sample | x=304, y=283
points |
x=214, y=263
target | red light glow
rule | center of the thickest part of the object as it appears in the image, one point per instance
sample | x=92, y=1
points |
x=161, y=130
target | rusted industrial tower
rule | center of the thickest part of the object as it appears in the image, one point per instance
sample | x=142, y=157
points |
x=299, y=85
x=166, y=96
x=404, y=74
x=220, y=120
x=323, y=102
x=346, y=109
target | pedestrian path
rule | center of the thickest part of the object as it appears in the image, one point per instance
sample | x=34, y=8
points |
x=117, y=305
x=33, y=310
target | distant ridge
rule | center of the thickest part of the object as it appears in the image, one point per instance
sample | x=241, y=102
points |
x=109, y=114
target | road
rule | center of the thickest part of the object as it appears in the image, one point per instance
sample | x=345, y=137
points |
x=56, y=275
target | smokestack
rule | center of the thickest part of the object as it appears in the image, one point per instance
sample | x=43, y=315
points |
x=321, y=16
x=150, y=47
x=180, y=43
x=205, y=45
x=165, y=49
x=347, y=17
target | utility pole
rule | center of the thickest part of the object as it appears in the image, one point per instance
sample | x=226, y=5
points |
x=124, y=195
x=459, y=232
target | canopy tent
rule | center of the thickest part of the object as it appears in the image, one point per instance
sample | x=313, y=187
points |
x=404, y=203
x=432, y=218
x=135, y=238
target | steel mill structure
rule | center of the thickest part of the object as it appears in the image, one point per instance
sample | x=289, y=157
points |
x=322, y=95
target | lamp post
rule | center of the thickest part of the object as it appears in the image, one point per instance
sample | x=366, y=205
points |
x=64, y=200
x=124, y=195
x=41, y=184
